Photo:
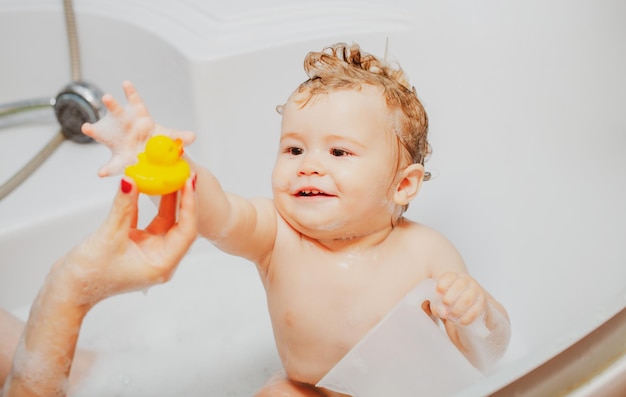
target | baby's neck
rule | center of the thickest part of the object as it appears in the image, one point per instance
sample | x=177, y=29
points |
x=355, y=242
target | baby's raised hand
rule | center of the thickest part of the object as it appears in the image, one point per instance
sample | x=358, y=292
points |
x=125, y=130
x=463, y=300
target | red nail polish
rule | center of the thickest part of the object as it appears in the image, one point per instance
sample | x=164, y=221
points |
x=126, y=186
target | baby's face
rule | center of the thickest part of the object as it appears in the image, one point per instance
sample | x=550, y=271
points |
x=335, y=166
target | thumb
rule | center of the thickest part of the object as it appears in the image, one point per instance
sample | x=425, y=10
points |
x=123, y=213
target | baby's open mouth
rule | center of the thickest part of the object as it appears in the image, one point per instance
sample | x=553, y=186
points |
x=312, y=193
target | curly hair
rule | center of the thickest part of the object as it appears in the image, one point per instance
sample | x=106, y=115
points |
x=343, y=66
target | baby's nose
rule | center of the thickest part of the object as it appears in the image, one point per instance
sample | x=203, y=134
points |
x=311, y=165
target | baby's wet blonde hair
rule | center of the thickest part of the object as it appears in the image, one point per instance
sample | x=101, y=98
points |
x=343, y=66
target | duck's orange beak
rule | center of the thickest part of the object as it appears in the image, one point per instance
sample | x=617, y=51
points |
x=178, y=142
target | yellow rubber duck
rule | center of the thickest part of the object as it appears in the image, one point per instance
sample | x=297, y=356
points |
x=160, y=169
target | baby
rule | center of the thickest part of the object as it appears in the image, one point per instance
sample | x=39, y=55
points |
x=333, y=249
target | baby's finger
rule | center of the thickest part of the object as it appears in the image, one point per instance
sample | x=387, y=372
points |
x=474, y=311
x=445, y=281
x=438, y=309
x=186, y=136
x=465, y=300
x=112, y=105
x=87, y=129
x=454, y=291
x=115, y=166
x=134, y=99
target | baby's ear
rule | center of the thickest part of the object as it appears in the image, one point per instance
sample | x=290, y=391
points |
x=409, y=184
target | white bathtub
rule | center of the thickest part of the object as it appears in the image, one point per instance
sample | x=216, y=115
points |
x=525, y=102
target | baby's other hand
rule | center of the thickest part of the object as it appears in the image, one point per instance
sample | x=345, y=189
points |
x=125, y=130
x=462, y=299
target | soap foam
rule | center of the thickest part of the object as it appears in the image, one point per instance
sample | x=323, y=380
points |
x=34, y=371
x=206, y=332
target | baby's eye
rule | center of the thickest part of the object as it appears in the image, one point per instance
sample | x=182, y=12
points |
x=294, y=151
x=339, y=152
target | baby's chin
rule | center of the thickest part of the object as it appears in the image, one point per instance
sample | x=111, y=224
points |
x=317, y=229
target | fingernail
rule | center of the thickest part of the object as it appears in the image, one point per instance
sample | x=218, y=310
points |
x=126, y=186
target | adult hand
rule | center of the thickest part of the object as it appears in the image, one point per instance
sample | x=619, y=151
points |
x=119, y=258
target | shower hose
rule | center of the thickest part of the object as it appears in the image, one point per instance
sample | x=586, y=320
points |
x=21, y=175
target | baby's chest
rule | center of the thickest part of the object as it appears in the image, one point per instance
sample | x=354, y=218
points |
x=340, y=295
x=329, y=319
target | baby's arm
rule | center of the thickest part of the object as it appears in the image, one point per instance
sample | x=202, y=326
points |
x=117, y=258
x=239, y=226
x=464, y=302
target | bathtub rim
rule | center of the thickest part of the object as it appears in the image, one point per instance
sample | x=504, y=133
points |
x=185, y=26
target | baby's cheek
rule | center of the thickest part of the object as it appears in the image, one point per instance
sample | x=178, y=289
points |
x=279, y=185
x=279, y=180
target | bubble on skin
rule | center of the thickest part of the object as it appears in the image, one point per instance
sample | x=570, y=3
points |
x=88, y=294
x=91, y=289
x=36, y=372
x=109, y=131
x=92, y=292
x=344, y=265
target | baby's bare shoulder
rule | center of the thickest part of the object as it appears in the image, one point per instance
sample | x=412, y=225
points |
x=430, y=246
x=419, y=233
